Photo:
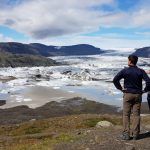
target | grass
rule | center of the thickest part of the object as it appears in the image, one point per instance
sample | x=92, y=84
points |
x=91, y=122
x=44, y=144
x=33, y=135
x=60, y=124
x=30, y=128
x=48, y=133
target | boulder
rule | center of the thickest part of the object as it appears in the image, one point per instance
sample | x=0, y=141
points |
x=104, y=124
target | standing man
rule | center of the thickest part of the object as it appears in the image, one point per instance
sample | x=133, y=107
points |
x=148, y=94
x=132, y=95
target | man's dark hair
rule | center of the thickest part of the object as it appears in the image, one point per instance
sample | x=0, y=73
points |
x=133, y=59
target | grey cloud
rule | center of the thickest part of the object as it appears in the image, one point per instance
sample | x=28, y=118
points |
x=43, y=33
x=56, y=31
x=50, y=18
x=9, y=22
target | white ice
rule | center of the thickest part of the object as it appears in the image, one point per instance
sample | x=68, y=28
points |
x=87, y=72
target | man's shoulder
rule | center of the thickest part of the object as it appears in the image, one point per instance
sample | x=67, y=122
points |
x=142, y=70
x=135, y=68
x=122, y=71
x=125, y=68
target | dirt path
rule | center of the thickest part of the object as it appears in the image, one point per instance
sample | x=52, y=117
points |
x=105, y=139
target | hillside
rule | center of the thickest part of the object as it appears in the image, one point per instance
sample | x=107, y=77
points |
x=75, y=105
x=67, y=107
x=24, y=60
x=68, y=125
x=143, y=52
x=72, y=132
x=44, y=50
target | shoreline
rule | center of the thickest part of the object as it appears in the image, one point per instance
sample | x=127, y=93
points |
x=37, y=96
x=72, y=106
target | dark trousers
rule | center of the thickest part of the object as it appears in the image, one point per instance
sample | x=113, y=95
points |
x=131, y=103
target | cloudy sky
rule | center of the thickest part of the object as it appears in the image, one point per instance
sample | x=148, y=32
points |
x=108, y=24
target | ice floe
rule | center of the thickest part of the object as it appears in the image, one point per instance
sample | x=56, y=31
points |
x=87, y=72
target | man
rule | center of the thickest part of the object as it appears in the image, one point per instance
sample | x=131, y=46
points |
x=132, y=95
x=148, y=95
x=148, y=99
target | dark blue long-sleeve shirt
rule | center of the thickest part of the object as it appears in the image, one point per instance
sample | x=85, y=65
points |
x=133, y=77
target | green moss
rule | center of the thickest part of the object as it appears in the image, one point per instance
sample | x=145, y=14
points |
x=30, y=128
x=44, y=144
x=64, y=138
x=33, y=130
x=91, y=122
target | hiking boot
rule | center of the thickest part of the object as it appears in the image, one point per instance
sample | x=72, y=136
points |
x=135, y=137
x=125, y=136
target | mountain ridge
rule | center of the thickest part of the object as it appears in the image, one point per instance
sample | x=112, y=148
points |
x=49, y=50
x=143, y=52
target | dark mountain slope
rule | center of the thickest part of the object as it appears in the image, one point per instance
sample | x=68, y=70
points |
x=143, y=52
x=24, y=60
x=44, y=50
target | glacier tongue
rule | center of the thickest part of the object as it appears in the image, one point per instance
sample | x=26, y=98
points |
x=87, y=75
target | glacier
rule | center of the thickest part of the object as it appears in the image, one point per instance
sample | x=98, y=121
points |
x=89, y=76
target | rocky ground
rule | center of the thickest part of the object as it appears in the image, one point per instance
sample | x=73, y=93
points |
x=75, y=124
x=74, y=132
x=72, y=106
